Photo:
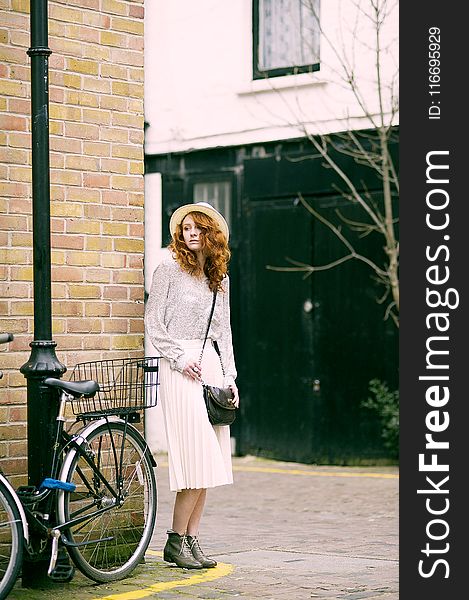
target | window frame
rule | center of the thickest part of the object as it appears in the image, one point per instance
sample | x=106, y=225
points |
x=217, y=177
x=258, y=73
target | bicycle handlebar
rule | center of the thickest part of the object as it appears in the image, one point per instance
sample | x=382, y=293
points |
x=5, y=338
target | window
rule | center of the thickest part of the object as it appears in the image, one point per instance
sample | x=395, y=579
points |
x=216, y=193
x=285, y=37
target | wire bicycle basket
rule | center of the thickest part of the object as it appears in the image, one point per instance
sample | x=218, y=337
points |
x=126, y=385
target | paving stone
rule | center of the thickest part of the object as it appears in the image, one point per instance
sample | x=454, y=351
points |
x=306, y=532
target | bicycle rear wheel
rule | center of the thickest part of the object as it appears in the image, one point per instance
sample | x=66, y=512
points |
x=11, y=542
x=111, y=543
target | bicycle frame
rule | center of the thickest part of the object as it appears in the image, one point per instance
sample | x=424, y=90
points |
x=77, y=442
x=72, y=445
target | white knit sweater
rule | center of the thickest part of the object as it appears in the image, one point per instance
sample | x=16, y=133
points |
x=178, y=308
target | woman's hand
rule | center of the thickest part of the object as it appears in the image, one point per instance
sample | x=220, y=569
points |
x=192, y=370
x=234, y=389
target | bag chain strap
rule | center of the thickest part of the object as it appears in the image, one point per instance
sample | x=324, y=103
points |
x=206, y=335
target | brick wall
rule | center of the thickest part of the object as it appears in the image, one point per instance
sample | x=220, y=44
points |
x=96, y=162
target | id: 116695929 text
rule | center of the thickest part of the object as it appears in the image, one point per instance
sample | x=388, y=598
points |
x=434, y=72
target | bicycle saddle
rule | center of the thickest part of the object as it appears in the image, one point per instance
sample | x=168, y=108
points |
x=75, y=388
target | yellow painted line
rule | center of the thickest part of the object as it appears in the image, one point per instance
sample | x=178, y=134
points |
x=304, y=472
x=315, y=473
x=221, y=570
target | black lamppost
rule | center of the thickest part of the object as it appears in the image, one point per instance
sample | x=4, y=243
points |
x=42, y=401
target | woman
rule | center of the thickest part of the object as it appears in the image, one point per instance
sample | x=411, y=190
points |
x=177, y=316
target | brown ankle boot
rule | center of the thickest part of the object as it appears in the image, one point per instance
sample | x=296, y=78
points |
x=197, y=553
x=177, y=551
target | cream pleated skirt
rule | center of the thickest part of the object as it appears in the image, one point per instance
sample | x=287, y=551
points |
x=199, y=454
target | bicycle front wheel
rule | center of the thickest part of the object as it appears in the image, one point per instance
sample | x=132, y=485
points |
x=11, y=542
x=110, y=544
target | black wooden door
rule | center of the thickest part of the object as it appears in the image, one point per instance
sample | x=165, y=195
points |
x=352, y=341
x=277, y=333
x=310, y=345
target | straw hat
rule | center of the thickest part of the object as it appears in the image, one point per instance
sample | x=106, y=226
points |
x=203, y=207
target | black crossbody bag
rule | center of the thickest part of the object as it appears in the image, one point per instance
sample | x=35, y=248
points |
x=219, y=401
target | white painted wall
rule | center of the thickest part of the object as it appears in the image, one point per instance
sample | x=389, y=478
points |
x=198, y=87
x=154, y=425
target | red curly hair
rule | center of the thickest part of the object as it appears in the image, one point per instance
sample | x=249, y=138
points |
x=215, y=247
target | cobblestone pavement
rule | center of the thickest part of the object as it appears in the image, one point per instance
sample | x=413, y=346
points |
x=282, y=531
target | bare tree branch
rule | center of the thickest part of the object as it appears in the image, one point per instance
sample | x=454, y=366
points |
x=352, y=252
x=374, y=88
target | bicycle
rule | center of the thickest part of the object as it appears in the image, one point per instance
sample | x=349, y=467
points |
x=99, y=504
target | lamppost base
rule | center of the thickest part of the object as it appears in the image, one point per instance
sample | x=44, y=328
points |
x=43, y=362
x=42, y=413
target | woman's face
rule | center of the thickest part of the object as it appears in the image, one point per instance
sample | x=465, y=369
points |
x=192, y=234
